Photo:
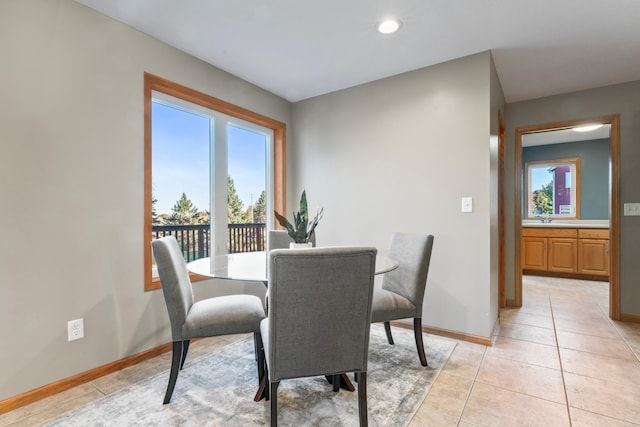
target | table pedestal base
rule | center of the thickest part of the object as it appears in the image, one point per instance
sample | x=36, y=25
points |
x=345, y=383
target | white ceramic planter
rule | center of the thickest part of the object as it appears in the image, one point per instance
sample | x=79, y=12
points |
x=307, y=245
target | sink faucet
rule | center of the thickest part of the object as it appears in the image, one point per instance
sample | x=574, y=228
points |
x=544, y=218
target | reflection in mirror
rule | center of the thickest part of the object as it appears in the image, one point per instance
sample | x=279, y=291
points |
x=553, y=189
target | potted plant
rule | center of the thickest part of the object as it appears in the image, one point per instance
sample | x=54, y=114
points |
x=301, y=230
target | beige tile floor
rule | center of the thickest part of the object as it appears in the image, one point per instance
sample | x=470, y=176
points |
x=557, y=361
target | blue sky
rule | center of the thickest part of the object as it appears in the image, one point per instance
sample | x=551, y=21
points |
x=540, y=177
x=247, y=162
x=181, y=159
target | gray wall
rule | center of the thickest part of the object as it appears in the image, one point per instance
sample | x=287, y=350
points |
x=594, y=172
x=622, y=99
x=496, y=110
x=397, y=155
x=71, y=186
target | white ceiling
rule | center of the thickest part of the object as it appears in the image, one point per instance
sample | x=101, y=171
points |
x=300, y=49
x=558, y=136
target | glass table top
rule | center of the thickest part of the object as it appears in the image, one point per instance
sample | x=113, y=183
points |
x=252, y=266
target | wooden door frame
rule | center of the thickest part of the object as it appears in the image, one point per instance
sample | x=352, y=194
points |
x=502, y=254
x=614, y=209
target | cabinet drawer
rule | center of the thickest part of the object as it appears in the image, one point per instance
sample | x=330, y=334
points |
x=550, y=232
x=593, y=233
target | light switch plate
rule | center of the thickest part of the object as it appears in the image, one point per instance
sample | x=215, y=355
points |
x=631, y=209
x=467, y=204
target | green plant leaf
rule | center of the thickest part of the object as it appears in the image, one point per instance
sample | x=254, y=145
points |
x=304, y=211
x=315, y=222
x=301, y=230
x=285, y=223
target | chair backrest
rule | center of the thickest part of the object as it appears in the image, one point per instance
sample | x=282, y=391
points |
x=413, y=254
x=174, y=278
x=320, y=310
x=279, y=239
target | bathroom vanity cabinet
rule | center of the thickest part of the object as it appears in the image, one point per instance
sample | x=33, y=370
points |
x=571, y=252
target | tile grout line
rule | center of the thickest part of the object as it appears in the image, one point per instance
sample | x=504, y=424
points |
x=555, y=334
x=475, y=380
x=602, y=309
x=95, y=386
x=621, y=335
x=619, y=332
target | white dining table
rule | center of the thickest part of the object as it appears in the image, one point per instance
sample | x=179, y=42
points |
x=252, y=266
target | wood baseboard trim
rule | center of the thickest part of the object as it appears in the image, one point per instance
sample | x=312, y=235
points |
x=512, y=303
x=633, y=318
x=40, y=393
x=477, y=339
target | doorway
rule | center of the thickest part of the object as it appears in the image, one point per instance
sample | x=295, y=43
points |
x=614, y=198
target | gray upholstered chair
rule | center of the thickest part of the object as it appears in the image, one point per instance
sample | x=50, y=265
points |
x=280, y=239
x=225, y=315
x=319, y=318
x=402, y=291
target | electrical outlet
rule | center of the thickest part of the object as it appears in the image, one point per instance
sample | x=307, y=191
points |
x=631, y=209
x=75, y=329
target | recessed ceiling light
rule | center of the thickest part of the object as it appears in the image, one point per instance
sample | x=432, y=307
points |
x=587, y=128
x=389, y=26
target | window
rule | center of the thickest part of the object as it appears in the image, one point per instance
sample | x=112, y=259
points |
x=553, y=189
x=197, y=153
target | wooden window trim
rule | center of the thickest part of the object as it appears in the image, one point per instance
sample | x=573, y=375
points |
x=159, y=84
x=576, y=162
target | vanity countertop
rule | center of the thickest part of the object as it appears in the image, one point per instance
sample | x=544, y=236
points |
x=590, y=223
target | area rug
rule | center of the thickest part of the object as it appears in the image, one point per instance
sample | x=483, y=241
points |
x=217, y=389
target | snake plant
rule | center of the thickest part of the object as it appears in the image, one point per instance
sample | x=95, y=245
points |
x=301, y=229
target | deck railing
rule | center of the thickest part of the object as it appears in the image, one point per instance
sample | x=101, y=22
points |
x=246, y=238
x=195, y=240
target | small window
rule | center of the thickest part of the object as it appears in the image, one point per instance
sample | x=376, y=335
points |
x=553, y=189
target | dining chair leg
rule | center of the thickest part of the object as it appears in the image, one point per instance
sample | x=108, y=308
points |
x=335, y=381
x=266, y=382
x=185, y=349
x=176, y=358
x=263, y=372
x=387, y=329
x=274, y=403
x=259, y=349
x=362, y=399
x=417, y=331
